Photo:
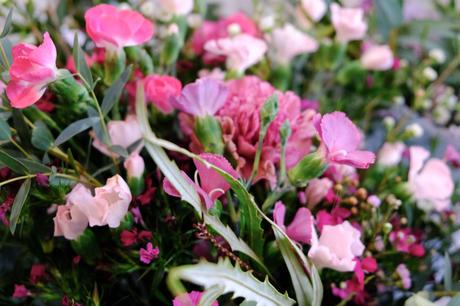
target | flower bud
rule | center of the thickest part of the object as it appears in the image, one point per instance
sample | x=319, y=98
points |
x=414, y=130
x=438, y=55
x=114, y=65
x=387, y=227
x=310, y=167
x=68, y=90
x=209, y=133
x=430, y=74
x=135, y=167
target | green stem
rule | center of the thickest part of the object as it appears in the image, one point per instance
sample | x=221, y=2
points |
x=275, y=196
x=255, y=166
x=17, y=145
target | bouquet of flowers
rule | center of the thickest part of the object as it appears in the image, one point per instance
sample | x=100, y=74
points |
x=158, y=152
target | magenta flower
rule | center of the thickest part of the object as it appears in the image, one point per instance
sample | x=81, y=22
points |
x=149, y=253
x=300, y=228
x=37, y=272
x=204, y=97
x=20, y=291
x=341, y=139
x=212, y=185
x=191, y=298
x=451, y=155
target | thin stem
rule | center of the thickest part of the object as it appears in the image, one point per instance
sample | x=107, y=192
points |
x=17, y=145
x=255, y=166
x=18, y=178
x=275, y=196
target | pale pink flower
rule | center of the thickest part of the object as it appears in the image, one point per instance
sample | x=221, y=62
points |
x=420, y=10
x=212, y=185
x=190, y=299
x=315, y=9
x=288, y=42
x=377, y=57
x=349, y=23
x=175, y=7
x=337, y=247
x=69, y=221
x=390, y=154
x=241, y=51
x=149, y=253
x=341, y=139
x=122, y=133
x=159, y=89
x=33, y=68
x=430, y=181
x=203, y=97
x=134, y=165
x=108, y=206
x=404, y=274
x=114, y=28
x=317, y=190
x=20, y=291
x=300, y=229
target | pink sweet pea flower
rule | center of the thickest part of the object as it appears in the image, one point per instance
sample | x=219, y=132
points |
x=212, y=185
x=390, y=154
x=317, y=190
x=114, y=28
x=348, y=23
x=315, y=9
x=148, y=254
x=69, y=221
x=205, y=96
x=377, y=57
x=159, y=89
x=108, y=206
x=301, y=226
x=241, y=51
x=341, y=139
x=288, y=42
x=33, y=68
x=451, y=155
x=337, y=247
x=20, y=291
x=190, y=299
x=430, y=181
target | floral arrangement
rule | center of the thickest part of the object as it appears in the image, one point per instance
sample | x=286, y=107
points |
x=157, y=152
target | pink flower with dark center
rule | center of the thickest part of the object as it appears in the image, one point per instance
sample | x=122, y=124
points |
x=148, y=254
x=33, y=68
x=341, y=139
x=301, y=226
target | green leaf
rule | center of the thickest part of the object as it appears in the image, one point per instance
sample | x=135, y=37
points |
x=114, y=92
x=389, y=15
x=447, y=272
x=120, y=151
x=7, y=25
x=34, y=166
x=6, y=45
x=75, y=128
x=87, y=246
x=80, y=62
x=5, y=132
x=14, y=164
x=22, y=128
x=211, y=295
x=18, y=204
x=42, y=138
x=231, y=279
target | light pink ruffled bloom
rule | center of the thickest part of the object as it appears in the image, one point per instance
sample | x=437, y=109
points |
x=32, y=69
x=300, y=229
x=160, y=89
x=134, y=165
x=114, y=28
x=430, y=181
x=317, y=190
x=212, y=185
x=203, y=97
x=390, y=154
x=193, y=297
x=122, y=133
x=315, y=9
x=108, y=206
x=241, y=51
x=349, y=23
x=377, y=57
x=341, y=139
x=69, y=221
x=337, y=247
x=288, y=42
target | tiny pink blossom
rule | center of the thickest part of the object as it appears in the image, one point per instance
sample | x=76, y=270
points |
x=37, y=272
x=114, y=28
x=348, y=23
x=20, y=291
x=451, y=155
x=315, y=9
x=301, y=226
x=341, y=139
x=32, y=69
x=404, y=274
x=134, y=165
x=148, y=254
x=190, y=299
x=377, y=58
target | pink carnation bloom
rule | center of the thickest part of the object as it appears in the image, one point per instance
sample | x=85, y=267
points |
x=20, y=291
x=430, y=181
x=159, y=89
x=240, y=121
x=190, y=299
x=113, y=28
x=203, y=97
x=341, y=139
x=212, y=185
x=148, y=254
x=33, y=68
x=301, y=226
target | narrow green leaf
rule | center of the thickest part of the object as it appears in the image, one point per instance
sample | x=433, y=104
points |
x=5, y=132
x=6, y=45
x=12, y=163
x=447, y=272
x=34, y=166
x=80, y=62
x=389, y=15
x=7, y=25
x=22, y=128
x=75, y=128
x=114, y=92
x=18, y=204
x=120, y=151
x=42, y=138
